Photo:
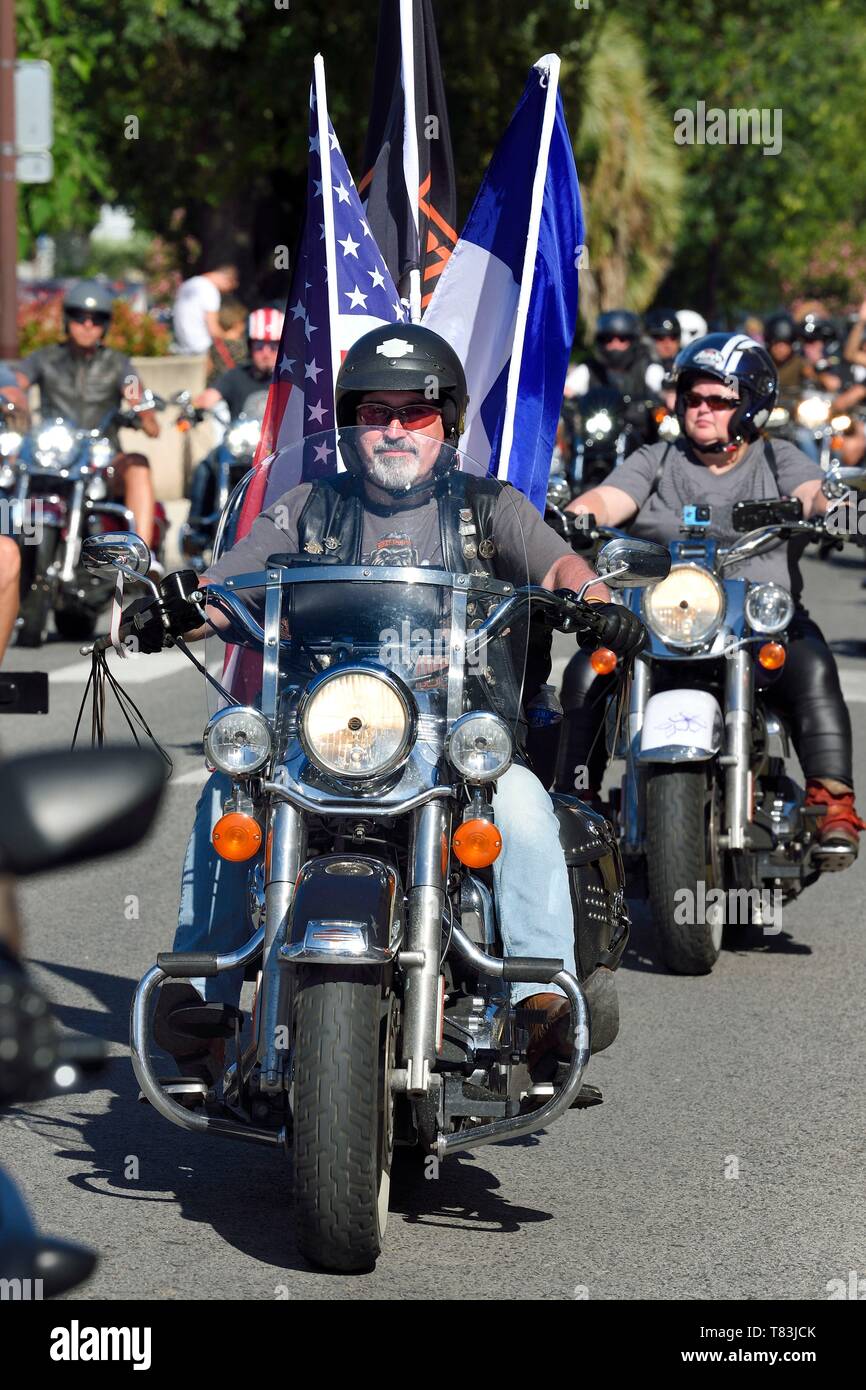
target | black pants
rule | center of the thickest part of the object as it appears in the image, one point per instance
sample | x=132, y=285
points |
x=807, y=694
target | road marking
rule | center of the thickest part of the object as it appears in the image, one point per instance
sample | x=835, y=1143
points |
x=197, y=777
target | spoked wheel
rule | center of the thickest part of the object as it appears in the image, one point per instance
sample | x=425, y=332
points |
x=683, y=813
x=345, y=1051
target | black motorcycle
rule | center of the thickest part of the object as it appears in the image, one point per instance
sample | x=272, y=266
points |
x=217, y=476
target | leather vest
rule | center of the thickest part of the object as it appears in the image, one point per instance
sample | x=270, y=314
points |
x=332, y=524
x=77, y=388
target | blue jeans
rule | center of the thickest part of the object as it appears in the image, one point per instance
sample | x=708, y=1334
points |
x=530, y=883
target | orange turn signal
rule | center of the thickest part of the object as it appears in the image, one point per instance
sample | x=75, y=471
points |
x=603, y=661
x=236, y=837
x=477, y=843
x=772, y=656
x=183, y=426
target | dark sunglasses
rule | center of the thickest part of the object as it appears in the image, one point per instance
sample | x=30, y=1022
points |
x=415, y=416
x=666, y=334
x=692, y=399
x=88, y=316
x=605, y=338
x=257, y=343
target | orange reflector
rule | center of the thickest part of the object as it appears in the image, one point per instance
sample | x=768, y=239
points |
x=183, y=426
x=236, y=837
x=603, y=661
x=477, y=843
x=444, y=849
x=659, y=414
x=772, y=656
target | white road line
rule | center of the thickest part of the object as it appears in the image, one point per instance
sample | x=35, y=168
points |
x=197, y=777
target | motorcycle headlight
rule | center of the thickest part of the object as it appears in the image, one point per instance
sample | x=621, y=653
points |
x=686, y=608
x=479, y=746
x=778, y=416
x=357, y=723
x=813, y=412
x=7, y=475
x=243, y=438
x=768, y=608
x=97, y=489
x=238, y=740
x=101, y=453
x=669, y=428
x=10, y=443
x=55, y=445
x=599, y=423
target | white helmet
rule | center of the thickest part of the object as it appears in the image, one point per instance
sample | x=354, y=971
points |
x=693, y=325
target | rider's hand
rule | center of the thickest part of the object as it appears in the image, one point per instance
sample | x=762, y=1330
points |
x=147, y=614
x=147, y=628
x=612, y=625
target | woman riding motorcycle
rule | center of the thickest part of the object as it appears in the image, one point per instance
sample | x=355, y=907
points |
x=726, y=386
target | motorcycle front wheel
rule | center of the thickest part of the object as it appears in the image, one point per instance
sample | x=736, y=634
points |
x=682, y=826
x=343, y=1115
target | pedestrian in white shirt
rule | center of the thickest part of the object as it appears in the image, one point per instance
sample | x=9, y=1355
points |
x=196, y=307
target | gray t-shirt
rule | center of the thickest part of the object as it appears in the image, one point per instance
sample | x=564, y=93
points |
x=685, y=481
x=525, y=546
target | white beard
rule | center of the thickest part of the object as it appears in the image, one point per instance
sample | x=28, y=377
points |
x=391, y=473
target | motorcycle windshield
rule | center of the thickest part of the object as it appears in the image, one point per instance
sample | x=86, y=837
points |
x=417, y=604
x=253, y=407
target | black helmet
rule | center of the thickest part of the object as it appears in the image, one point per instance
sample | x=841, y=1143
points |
x=662, y=323
x=779, y=328
x=737, y=361
x=90, y=295
x=814, y=326
x=617, y=323
x=404, y=357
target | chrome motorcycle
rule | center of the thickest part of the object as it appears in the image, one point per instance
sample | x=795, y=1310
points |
x=367, y=713
x=217, y=476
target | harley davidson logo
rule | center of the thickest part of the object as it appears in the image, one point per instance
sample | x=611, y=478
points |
x=395, y=347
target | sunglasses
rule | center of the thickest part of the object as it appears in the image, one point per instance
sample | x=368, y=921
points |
x=674, y=337
x=614, y=337
x=693, y=400
x=88, y=316
x=257, y=343
x=415, y=416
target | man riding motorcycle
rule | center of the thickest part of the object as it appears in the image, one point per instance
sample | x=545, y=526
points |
x=622, y=363
x=80, y=379
x=391, y=500
x=663, y=326
x=726, y=387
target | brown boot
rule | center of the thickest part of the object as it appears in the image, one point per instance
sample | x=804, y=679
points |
x=549, y=1027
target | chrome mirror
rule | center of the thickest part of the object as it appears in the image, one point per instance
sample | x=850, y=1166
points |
x=122, y=549
x=626, y=563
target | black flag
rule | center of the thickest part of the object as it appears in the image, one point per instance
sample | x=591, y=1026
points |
x=408, y=184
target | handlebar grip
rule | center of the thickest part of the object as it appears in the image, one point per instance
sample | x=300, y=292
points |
x=103, y=643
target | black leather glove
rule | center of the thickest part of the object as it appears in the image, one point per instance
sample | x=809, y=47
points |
x=616, y=627
x=143, y=618
x=146, y=614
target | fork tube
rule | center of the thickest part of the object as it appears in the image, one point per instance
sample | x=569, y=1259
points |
x=426, y=905
x=73, y=534
x=739, y=699
x=633, y=798
x=287, y=834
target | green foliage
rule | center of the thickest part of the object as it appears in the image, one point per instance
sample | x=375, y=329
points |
x=138, y=335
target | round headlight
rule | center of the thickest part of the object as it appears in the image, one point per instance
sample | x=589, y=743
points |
x=769, y=607
x=599, y=423
x=685, y=609
x=55, y=445
x=10, y=443
x=102, y=451
x=479, y=746
x=243, y=438
x=238, y=741
x=356, y=723
x=7, y=475
x=813, y=412
x=669, y=428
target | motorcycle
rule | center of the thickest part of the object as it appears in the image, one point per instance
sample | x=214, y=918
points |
x=218, y=475
x=708, y=809
x=57, y=809
x=57, y=484
x=372, y=710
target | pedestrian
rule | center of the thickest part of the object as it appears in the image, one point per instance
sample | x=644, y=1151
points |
x=197, y=305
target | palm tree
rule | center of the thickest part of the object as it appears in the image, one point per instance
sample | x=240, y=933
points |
x=631, y=178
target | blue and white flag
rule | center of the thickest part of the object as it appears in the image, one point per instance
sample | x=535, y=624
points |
x=507, y=298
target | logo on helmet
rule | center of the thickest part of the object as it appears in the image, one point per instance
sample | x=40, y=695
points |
x=709, y=357
x=395, y=347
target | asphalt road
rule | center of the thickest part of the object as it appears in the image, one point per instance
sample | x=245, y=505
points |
x=725, y=1162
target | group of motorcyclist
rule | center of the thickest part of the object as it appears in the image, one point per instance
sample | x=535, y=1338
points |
x=390, y=501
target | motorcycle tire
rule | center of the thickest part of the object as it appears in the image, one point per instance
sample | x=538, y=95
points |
x=75, y=624
x=343, y=1115
x=35, y=591
x=677, y=859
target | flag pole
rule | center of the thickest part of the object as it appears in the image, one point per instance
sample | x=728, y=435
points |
x=327, y=214
x=411, y=161
x=550, y=66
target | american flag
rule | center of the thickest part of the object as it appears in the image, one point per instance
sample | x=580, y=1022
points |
x=340, y=290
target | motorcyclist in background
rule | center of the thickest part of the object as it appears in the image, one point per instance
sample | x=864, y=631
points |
x=780, y=340
x=622, y=362
x=692, y=325
x=663, y=326
x=726, y=387
x=80, y=379
x=400, y=481
x=264, y=330
x=822, y=359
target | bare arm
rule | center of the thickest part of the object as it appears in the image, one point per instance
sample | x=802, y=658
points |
x=609, y=505
x=813, y=499
x=206, y=400
x=846, y=399
x=572, y=572
x=212, y=324
x=853, y=351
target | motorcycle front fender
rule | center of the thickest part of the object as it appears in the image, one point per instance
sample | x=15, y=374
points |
x=347, y=909
x=681, y=726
